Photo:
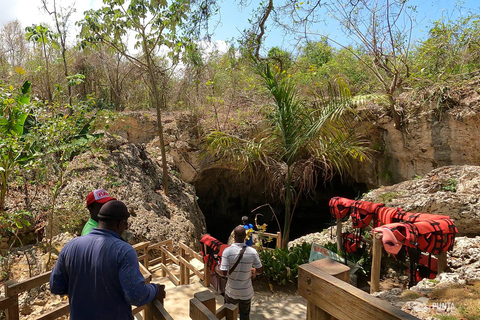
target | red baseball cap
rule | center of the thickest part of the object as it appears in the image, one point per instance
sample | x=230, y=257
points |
x=99, y=195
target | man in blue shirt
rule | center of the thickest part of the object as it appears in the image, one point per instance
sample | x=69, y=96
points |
x=248, y=226
x=100, y=272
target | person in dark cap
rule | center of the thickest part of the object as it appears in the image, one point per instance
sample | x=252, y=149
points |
x=95, y=200
x=100, y=273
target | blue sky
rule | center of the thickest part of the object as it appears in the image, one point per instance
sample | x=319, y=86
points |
x=428, y=10
x=233, y=21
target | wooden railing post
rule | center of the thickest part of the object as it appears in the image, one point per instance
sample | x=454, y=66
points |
x=442, y=262
x=339, y=236
x=279, y=239
x=376, y=262
x=164, y=262
x=207, y=299
x=13, y=312
x=206, y=274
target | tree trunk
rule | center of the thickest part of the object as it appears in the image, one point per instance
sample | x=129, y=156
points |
x=49, y=92
x=157, y=100
x=288, y=209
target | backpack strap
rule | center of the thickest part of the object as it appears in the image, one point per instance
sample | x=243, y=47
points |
x=238, y=260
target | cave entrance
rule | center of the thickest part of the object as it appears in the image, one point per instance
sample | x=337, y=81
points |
x=224, y=198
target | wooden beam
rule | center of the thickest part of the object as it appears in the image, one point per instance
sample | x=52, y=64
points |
x=196, y=255
x=342, y=300
x=207, y=298
x=200, y=312
x=188, y=265
x=171, y=276
x=17, y=288
x=376, y=262
x=8, y=302
x=229, y=311
x=158, y=311
x=56, y=313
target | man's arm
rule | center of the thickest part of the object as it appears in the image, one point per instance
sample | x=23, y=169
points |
x=59, y=277
x=133, y=283
x=223, y=273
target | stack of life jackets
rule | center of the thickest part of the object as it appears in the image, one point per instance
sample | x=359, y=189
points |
x=417, y=231
x=212, y=250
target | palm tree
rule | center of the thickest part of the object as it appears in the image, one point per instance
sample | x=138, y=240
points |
x=302, y=143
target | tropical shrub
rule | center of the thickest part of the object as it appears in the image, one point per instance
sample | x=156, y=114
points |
x=281, y=265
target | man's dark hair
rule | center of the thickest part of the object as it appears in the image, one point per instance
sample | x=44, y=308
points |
x=113, y=211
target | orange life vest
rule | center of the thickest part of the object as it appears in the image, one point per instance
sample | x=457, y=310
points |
x=340, y=207
x=212, y=250
x=436, y=236
x=405, y=216
x=362, y=213
x=386, y=215
x=351, y=242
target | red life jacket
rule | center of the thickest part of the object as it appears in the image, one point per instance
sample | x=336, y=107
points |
x=405, y=216
x=351, y=242
x=436, y=236
x=427, y=267
x=212, y=250
x=362, y=212
x=340, y=207
x=386, y=215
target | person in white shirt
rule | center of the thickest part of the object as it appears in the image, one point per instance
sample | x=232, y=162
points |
x=239, y=288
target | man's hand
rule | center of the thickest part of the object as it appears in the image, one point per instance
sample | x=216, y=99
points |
x=253, y=272
x=161, y=292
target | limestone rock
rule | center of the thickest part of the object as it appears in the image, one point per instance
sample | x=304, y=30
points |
x=451, y=190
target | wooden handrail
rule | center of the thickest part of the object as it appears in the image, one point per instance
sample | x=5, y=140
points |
x=332, y=295
x=158, y=311
x=8, y=302
x=191, y=252
x=56, y=313
x=20, y=287
x=191, y=267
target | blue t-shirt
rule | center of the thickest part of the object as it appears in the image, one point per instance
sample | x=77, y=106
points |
x=249, y=242
x=100, y=274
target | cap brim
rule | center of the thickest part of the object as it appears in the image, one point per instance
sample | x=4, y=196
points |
x=105, y=200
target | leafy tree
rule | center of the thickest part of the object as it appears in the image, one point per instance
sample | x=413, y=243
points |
x=13, y=44
x=451, y=48
x=281, y=57
x=61, y=16
x=41, y=34
x=301, y=143
x=14, y=125
x=316, y=53
x=155, y=24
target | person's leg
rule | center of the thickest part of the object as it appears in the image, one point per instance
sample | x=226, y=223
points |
x=230, y=300
x=244, y=309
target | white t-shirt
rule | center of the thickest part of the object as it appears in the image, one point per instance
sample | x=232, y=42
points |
x=239, y=284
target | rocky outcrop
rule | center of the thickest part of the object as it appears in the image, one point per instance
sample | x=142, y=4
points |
x=132, y=173
x=440, y=127
x=452, y=191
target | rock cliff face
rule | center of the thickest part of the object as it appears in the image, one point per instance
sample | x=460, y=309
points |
x=440, y=128
x=132, y=173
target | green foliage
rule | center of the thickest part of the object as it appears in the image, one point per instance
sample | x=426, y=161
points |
x=281, y=265
x=452, y=48
x=361, y=257
x=450, y=185
x=388, y=196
